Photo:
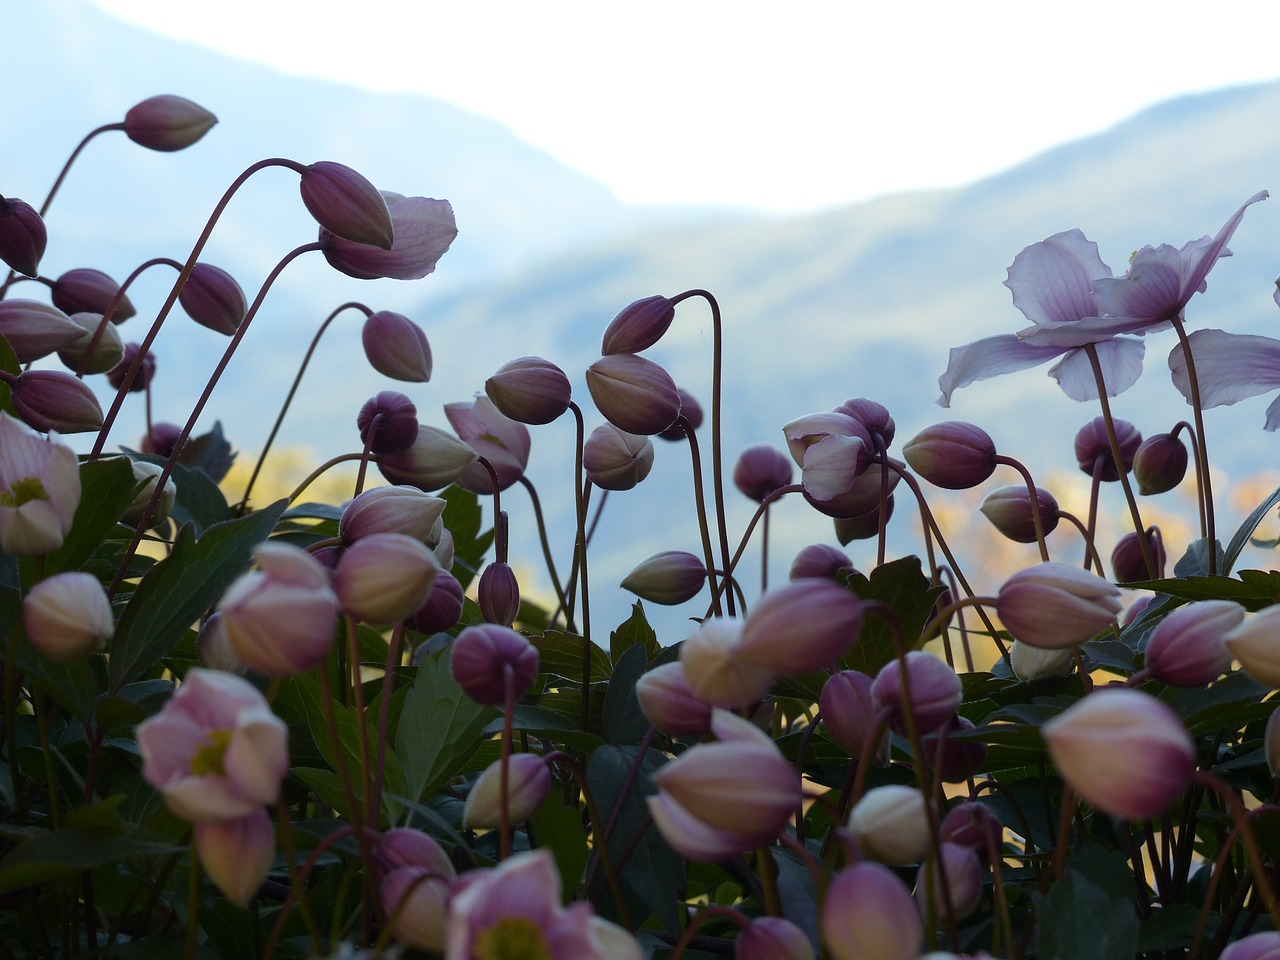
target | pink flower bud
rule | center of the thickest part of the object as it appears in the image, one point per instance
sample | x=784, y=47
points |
x=405, y=510
x=669, y=703
x=1034, y=663
x=1127, y=563
x=406, y=847
x=1254, y=644
x=90, y=291
x=1093, y=447
x=388, y=423
x=52, y=400
x=934, y=690
x=820, y=561
x=145, y=477
x=614, y=460
x=1055, y=605
x=973, y=825
x=213, y=299
x=68, y=616
x=954, y=761
x=396, y=347
x=498, y=594
x=1186, y=648
x=1258, y=946
x=484, y=656
x=500, y=440
x=1009, y=510
x=528, y=781
x=529, y=390
x=23, y=236
x=760, y=470
x=891, y=824
x=639, y=326
x=39, y=490
x=415, y=901
x=953, y=877
x=849, y=711
x=346, y=204
x=423, y=228
x=1123, y=751
x=167, y=123
x=236, y=854
x=952, y=455
x=874, y=416
x=442, y=609
x=34, y=329
x=142, y=380
x=669, y=578
x=690, y=410
x=107, y=353
x=773, y=938
x=161, y=440
x=868, y=914
x=1159, y=464
x=435, y=460
x=384, y=577
x=714, y=671
x=800, y=627
x=633, y=394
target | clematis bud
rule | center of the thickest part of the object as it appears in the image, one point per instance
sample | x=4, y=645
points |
x=614, y=460
x=1009, y=510
x=23, y=236
x=161, y=439
x=500, y=440
x=483, y=658
x=528, y=781
x=669, y=578
x=167, y=123
x=396, y=347
x=954, y=761
x=690, y=410
x=953, y=877
x=423, y=229
x=39, y=490
x=498, y=594
x=714, y=671
x=406, y=847
x=213, y=299
x=760, y=470
x=639, y=326
x=634, y=394
x=388, y=423
x=868, y=914
x=1056, y=605
x=399, y=509
x=874, y=416
x=1254, y=644
x=529, y=390
x=1093, y=446
x=1034, y=663
x=849, y=713
x=116, y=376
x=952, y=455
x=236, y=854
x=891, y=824
x=799, y=627
x=772, y=938
x=53, y=400
x=90, y=291
x=818, y=560
x=669, y=703
x=435, y=460
x=107, y=352
x=384, y=577
x=1186, y=648
x=34, y=329
x=1127, y=562
x=442, y=609
x=973, y=825
x=934, y=689
x=145, y=476
x=68, y=616
x=1159, y=464
x=415, y=901
x=1257, y=946
x=346, y=204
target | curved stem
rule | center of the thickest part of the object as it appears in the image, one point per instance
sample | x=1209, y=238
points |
x=1090, y=551
x=315, y=474
x=114, y=305
x=66, y=167
x=1200, y=446
x=546, y=547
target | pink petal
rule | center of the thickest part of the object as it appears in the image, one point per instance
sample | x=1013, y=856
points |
x=988, y=358
x=1052, y=281
x=1150, y=291
x=1199, y=256
x=1121, y=363
x=1230, y=367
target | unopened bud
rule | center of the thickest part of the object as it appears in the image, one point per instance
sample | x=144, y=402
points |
x=53, y=400
x=1093, y=447
x=1127, y=562
x=669, y=703
x=485, y=659
x=891, y=824
x=23, y=236
x=668, y=578
x=615, y=460
x=34, y=329
x=529, y=390
x=1009, y=510
x=399, y=509
x=388, y=423
x=820, y=561
x=384, y=577
x=145, y=476
x=107, y=352
x=933, y=687
x=213, y=299
x=498, y=594
x=1186, y=649
x=633, y=394
x=690, y=410
x=442, y=609
x=116, y=376
x=849, y=711
x=90, y=291
x=639, y=326
x=760, y=470
x=346, y=204
x=434, y=460
x=396, y=347
x=874, y=416
x=528, y=782
x=952, y=455
x=1057, y=605
x=167, y=123
x=68, y=616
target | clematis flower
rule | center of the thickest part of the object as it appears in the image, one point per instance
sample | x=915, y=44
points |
x=422, y=228
x=39, y=490
x=1230, y=367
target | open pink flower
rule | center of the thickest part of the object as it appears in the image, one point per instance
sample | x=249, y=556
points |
x=423, y=230
x=39, y=489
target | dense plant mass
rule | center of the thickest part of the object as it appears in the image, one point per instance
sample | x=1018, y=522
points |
x=296, y=729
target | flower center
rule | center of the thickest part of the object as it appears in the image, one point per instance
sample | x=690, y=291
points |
x=23, y=491
x=207, y=760
x=511, y=938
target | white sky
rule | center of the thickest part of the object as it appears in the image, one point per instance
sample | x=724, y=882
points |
x=741, y=102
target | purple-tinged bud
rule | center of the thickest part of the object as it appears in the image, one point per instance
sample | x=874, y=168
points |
x=1127, y=562
x=1056, y=605
x=1159, y=464
x=213, y=652
x=498, y=594
x=669, y=578
x=107, y=352
x=863, y=526
x=528, y=781
x=529, y=390
x=68, y=616
x=236, y=854
x=874, y=416
x=400, y=509
x=1093, y=446
x=167, y=123
x=933, y=686
x=415, y=901
x=145, y=477
x=1033, y=663
x=434, y=460
x=639, y=326
x=1186, y=648
x=868, y=914
x=1271, y=742
x=483, y=658
x=388, y=423
x=346, y=205
x=1009, y=510
x=406, y=847
x=213, y=299
x=84, y=290
x=1254, y=644
x=973, y=825
x=954, y=877
x=952, y=455
x=1123, y=751
x=714, y=671
x=116, y=376
x=849, y=712
x=615, y=460
x=53, y=400
x=161, y=439
x=802, y=626
x=669, y=703
x=773, y=938
x=633, y=394
x=690, y=410
x=863, y=496
x=443, y=608
x=760, y=470
x=1258, y=946
x=384, y=577
x=491, y=434
x=820, y=561
x=34, y=329
x=424, y=228
x=23, y=236
x=891, y=824
x=396, y=347
x=954, y=761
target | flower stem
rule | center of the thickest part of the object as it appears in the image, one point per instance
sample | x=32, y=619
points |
x=1201, y=448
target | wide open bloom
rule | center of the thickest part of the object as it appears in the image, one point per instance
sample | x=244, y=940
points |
x=39, y=490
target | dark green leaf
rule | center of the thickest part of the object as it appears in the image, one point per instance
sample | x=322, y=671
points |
x=620, y=717
x=1078, y=920
x=547, y=725
x=1254, y=590
x=199, y=501
x=559, y=828
x=66, y=852
x=210, y=454
x=635, y=630
x=560, y=654
x=106, y=488
x=901, y=586
x=1170, y=928
x=75, y=684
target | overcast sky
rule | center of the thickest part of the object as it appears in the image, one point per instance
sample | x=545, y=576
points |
x=741, y=102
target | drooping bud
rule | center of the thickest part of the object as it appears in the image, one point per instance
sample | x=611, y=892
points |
x=615, y=460
x=388, y=423
x=529, y=390
x=236, y=854
x=760, y=470
x=346, y=204
x=933, y=686
x=952, y=455
x=407, y=847
x=434, y=460
x=415, y=901
x=161, y=439
x=639, y=326
x=1056, y=605
x=53, y=400
x=23, y=236
x=849, y=711
x=1009, y=510
x=528, y=781
x=690, y=410
x=167, y=123
x=669, y=578
x=633, y=394
x=34, y=329
x=1127, y=562
x=145, y=476
x=1254, y=644
x=213, y=299
x=498, y=594
x=820, y=561
x=107, y=353
x=868, y=914
x=874, y=416
x=397, y=509
x=116, y=376
x=1159, y=464
x=90, y=291
x=1093, y=447
x=1186, y=648
x=424, y=229
x=891, y=824
x=396, y=347
x=953, y=760
x=484, y=656
x=952, y=878
x=384, y=577
x=68, y=616
x=714, y=671
x=773, y=938
x=973, y=825
x=799, y=627
x=500, y=440
x=669, y=703
x=442, y=609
